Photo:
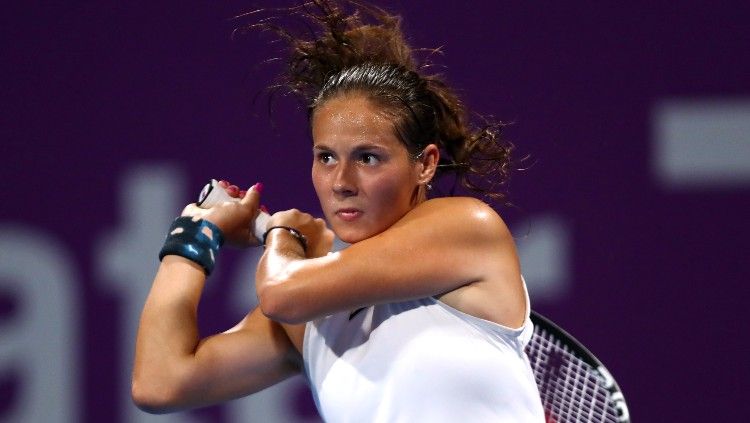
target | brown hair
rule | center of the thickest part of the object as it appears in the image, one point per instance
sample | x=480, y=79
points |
x=364, y=51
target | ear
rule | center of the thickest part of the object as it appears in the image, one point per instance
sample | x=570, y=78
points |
x=427, y=164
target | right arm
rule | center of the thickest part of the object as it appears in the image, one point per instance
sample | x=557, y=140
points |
x=175, y=369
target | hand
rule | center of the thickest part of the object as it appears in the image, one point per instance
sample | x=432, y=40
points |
x=234, y=218
x=319, y=237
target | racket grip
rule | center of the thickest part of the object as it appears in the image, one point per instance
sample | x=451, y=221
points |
x=212, y=194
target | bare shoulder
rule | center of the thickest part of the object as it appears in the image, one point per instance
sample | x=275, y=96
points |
x=463, y=216
x=467, y=204
x=472, y=225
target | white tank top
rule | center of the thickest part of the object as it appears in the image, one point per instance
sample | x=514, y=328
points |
x=419, y=361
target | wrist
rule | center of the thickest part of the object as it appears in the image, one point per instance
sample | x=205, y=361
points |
x=175, y=261
x=288, y=233
x=195, y=240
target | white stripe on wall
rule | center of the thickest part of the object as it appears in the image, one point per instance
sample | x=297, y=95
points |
x=701, y=143
x=545, y=248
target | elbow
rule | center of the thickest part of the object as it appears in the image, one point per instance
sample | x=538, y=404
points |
x=147, y=400
x=277, y=305
x=153, y=397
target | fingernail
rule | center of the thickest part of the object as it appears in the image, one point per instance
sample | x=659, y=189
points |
x=223, y=183
x=258, y=187
x=243, y=193
x=263, y=208
x=233, y=188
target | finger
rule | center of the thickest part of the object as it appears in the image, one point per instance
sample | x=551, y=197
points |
x=233, y=190
x=252, y=198
x=224, y=184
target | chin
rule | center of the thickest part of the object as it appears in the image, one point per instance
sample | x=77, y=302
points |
x=353, y=235
x=353, y=232
x=350, y=237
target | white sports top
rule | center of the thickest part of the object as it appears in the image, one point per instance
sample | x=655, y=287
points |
x=419, y=361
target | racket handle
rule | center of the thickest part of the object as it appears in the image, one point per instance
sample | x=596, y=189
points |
x=212, y=194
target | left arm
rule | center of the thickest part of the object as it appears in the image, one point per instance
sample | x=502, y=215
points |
x=439, y=246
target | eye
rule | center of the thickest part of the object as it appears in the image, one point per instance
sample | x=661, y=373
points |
x=324, y=157
x=369, y=159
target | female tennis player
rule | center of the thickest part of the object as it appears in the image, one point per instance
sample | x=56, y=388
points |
x=424, y=317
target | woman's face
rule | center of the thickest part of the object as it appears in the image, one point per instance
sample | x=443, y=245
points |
x=363, y=175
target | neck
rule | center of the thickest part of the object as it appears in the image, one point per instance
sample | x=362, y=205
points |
x=419, y=195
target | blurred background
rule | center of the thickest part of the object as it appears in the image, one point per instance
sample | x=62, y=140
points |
x=631, y=220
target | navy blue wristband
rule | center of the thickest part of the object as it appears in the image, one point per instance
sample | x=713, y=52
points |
x=198, y=241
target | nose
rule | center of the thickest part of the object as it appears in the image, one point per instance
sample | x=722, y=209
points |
x=345, y=180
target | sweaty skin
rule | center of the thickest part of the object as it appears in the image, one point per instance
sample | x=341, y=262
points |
x=403, y=247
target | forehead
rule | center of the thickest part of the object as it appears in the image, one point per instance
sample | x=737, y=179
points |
x=351, y=117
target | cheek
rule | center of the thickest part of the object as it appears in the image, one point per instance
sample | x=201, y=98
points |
x=391, y=190
x=316, y=180
x=320, y=185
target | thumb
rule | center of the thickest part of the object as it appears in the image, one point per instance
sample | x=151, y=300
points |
x=252, y=198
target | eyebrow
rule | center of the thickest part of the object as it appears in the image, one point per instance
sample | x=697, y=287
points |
x=360, y=147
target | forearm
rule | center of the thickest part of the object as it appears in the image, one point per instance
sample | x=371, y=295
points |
x=293, y=289
x=275, y=267
x=168, y=331
x=424, y=254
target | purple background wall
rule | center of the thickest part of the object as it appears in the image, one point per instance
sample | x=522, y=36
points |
x=656, y=270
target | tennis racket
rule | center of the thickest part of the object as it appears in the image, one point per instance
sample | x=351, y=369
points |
x=573, y=384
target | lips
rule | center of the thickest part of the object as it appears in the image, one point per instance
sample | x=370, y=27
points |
x=349, y=214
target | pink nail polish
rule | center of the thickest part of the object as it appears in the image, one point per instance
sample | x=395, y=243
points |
x=258, y=187
x=263, y=208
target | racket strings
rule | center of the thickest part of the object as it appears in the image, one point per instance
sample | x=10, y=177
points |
x=571, y=390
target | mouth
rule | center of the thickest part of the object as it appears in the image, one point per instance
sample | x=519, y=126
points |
x=348, y=215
